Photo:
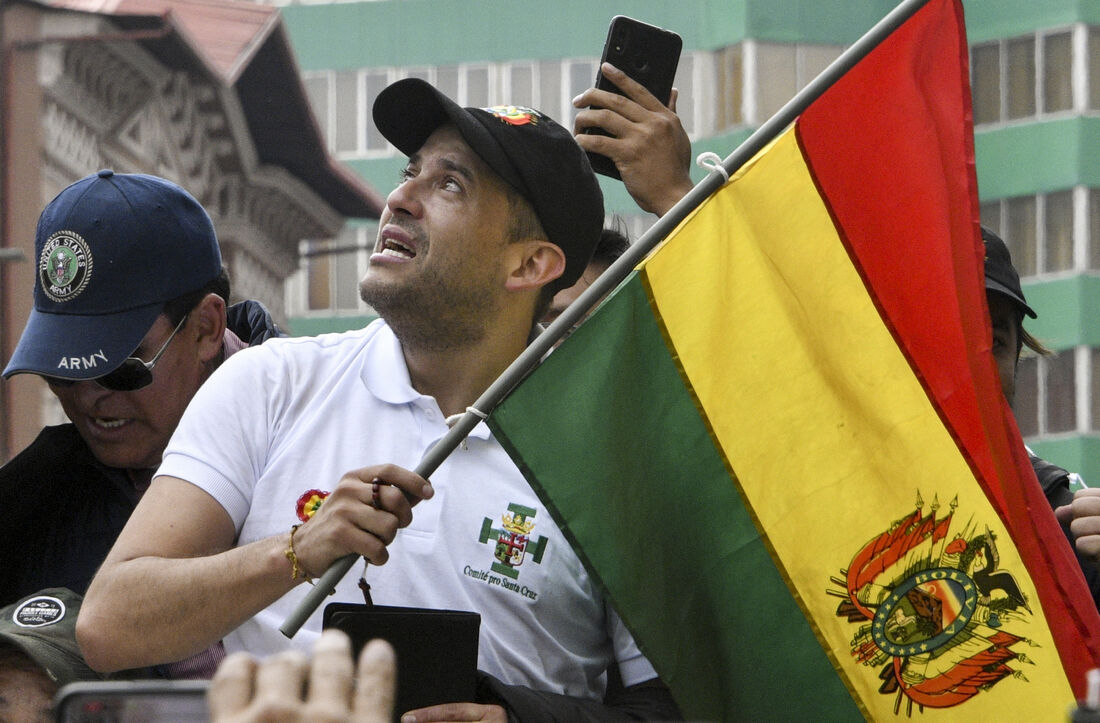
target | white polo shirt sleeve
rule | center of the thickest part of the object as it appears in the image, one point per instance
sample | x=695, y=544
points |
x=221, y=442
x=634, y=667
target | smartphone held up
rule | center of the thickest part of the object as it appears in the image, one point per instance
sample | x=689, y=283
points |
x=646, y=53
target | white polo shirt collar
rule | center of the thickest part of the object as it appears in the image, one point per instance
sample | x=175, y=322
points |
x=386, y=376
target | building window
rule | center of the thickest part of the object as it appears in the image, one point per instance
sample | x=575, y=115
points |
x=1052, y=390
x=1020, y=78
x=1094, y=228
x=1025, y=77
x=1058, y=389
x=345, y=132
x=781, y=70
x=1057, y=72
x=1021, y=233
x=1094, y=68
x=985, y=65
x=776, y=79
x=550, y=100
x=728, y=85
x=474, y=86
x=990, y=212
x=1094, y=378
x=1026, y=404
x=446, y=80
x=332, y=270
x=1057, y=243
x=521, y=85
x=373, y=83
x=1040, y=230
x=342, y=104
x=318, y=281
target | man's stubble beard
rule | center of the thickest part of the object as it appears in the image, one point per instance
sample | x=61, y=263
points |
x=433, y=313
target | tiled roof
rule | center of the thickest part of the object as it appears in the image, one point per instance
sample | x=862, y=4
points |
x=244, y=46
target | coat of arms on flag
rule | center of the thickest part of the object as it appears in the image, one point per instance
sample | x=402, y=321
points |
x=935, y=613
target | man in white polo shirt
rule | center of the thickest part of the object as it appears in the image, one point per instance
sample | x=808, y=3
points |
x=298, y=454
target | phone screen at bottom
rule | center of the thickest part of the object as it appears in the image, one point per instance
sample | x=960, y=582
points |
x=132, y=702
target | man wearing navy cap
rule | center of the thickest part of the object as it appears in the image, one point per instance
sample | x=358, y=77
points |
x=129, y=319
x=297, y=453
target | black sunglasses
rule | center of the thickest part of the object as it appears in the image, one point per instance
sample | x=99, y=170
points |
x=131, y=375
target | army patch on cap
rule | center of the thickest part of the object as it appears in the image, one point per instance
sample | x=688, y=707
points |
x=65, y=265
x=516, y=115
x=39, y=612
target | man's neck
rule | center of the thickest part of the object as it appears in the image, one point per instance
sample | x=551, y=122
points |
x=456, y=377
x=141, y=478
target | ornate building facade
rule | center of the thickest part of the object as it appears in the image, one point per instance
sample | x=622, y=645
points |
x=205, y=94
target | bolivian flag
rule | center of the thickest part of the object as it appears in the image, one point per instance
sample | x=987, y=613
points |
x=781, y=445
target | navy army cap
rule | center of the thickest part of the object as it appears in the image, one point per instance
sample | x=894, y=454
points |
x=110, y=250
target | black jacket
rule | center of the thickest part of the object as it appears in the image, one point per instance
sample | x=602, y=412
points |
x=1055, y=483
x=63, y=509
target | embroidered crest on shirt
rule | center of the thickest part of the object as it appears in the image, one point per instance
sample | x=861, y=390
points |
x=513, y=545
x=309, y=503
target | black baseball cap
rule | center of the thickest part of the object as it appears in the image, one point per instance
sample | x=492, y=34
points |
x=110, y=250
x=532, y=153
x=1000, y=274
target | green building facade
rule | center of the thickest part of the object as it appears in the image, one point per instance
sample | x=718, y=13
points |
x=1035, y=69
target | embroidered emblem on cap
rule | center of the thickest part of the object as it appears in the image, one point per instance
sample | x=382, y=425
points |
x=65, y=265
x=39, y=612
x=516, y=115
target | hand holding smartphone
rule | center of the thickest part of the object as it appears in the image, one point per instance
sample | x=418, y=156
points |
x=646, y=53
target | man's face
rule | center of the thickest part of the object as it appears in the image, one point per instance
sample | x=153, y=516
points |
x=25, y=694
x=1005, y=315
x=438, y=268
x=129, y=430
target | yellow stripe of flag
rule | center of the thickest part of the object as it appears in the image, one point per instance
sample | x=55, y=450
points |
x=830, y=434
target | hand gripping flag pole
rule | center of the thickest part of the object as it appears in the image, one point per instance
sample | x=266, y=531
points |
x=609, y=279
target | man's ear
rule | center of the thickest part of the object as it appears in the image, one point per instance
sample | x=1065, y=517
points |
x=535, y=264
x=208, y=322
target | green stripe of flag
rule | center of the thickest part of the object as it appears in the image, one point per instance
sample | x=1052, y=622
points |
x=581, y=447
